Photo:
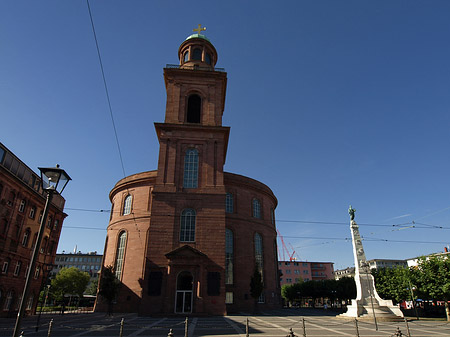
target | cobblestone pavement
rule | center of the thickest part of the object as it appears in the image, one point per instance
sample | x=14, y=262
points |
x=266, y=324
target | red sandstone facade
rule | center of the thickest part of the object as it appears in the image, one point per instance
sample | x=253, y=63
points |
x=21, y=205
x=186, y=238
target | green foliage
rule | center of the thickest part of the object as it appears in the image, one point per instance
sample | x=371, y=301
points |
x=343, y=289
x=432, y=277
x=69, y=281
x=256, y=284
x=393, y=283
x=92, y=288
x=109, y=285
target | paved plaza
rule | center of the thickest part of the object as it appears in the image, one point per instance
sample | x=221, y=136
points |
x=274, y=323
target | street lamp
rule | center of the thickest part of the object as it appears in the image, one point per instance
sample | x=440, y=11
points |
x=53, y=180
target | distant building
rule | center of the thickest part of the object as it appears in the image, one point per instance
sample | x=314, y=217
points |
x=21, y=206
x=414, y=261
x=89, y=262
x=294, y=271
x=347, y=272
x=386, y=263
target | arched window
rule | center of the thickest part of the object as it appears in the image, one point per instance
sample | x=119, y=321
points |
x=127, y=205
x=22, y=205
x=26, y=237
x=259, y=260
x=256, y=207
x=190, y=179
x=8, y=301
x=194, y=108
x=208, y=58
x=229, y=203
x=186, y=56
x=187, y=228
x=197, y=55
x=120, y=254
x=32, y=212
x=228, y=256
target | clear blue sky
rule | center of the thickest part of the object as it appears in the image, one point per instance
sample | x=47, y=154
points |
x=330, y=103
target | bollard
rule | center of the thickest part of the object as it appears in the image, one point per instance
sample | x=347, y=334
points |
x=304, y=327
x=121, y=327
x=291, y=333
x=50, y=326
x=356, y=326
x=407, y=327
x=170, y=334
x=246, y=328
x=186, y=323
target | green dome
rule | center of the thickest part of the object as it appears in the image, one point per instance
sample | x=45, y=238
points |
x=197, y=36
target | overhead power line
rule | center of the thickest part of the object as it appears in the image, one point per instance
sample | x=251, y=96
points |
x=106, y=88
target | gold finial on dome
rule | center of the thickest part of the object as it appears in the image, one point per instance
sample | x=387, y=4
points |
x=199, y=29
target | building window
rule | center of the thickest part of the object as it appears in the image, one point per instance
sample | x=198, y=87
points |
x=120, y=254
x=22, y=205
x=272, y=216
x=127, y=205
x=262, y=298
x=32, y=212
x=37, y=272
x=289, y=280
x=5, y=267
x=56, y=225
x=194, y=108
x=190, y=179
x=8, y=301
x=186, y=56
x=256, y=208
x=26, y=237
x=228, y=297
x=288, y=271
x=154, y=283
x=187, y=229
x=49, y=222
x=228, y=256
x=229, y=207
x=197, y=54
x=17, y=269
x=208, y=58
x=259, y=260
x=213, y=284
x=30, y=302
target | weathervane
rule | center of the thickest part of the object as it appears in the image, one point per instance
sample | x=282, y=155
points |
x=199, y=29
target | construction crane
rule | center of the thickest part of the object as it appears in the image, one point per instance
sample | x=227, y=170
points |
x=285, y=249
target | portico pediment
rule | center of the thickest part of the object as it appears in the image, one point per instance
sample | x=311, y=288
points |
x=185, y=252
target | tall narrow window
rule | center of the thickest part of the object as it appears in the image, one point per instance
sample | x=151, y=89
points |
x=194, y=108
x=259, y=260
x=228, y=256
x=26, y=237
x=17, y=269
x=186, y=56
x=120, y=254
x=127, y=205
x=32, y=212
x=190, y=179
x=229, y=206
x=9, y=300
x=187, y=229
x=22, y=205
x=256, y=208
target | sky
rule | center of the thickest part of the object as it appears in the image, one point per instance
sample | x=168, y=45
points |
x=330, y=103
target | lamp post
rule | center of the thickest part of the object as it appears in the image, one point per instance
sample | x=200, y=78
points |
x=53, y=180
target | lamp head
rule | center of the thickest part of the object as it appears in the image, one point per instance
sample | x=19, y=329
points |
x=54, y=179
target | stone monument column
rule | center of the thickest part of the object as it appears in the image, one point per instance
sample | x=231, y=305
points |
x=367, y=303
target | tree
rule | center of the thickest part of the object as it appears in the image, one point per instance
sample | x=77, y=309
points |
x=92, y=288
x=393, y=283
x=69, y=281
x=432, y=279
x=256, y=284
x=291, y=292
x=108, y=287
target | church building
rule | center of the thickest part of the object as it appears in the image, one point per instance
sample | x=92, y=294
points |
x=186, y=238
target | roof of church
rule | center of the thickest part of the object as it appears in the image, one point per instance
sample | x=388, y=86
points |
x=197, y=36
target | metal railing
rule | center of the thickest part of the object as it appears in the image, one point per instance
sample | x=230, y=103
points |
x=194, y=67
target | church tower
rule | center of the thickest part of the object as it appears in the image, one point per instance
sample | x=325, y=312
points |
x=187, y=237
x=189, y=195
